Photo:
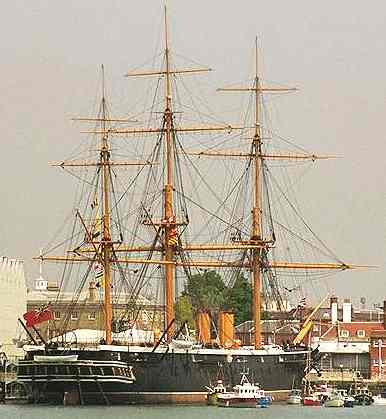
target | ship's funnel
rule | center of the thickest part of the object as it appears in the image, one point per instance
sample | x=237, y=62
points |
x=226, y=329
x=203, y=327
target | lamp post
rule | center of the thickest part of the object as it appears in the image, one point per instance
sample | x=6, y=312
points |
x=379, y=358
x=341, y=376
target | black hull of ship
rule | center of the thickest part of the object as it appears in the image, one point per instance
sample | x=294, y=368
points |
x=87, y=381
x=78, y=393
x=180, y=376
x=183, y=378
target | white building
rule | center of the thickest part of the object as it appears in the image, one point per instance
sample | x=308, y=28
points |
x=13, y=302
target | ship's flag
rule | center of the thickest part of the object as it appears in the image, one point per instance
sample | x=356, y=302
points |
x=99, y=274
x=98, y=270
x=173, y=239
x=173, y=236
x=38, y=316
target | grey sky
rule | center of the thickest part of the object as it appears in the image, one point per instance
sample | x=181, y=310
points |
x=334, y=51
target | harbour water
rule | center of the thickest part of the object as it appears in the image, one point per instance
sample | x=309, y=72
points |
x=186, y=412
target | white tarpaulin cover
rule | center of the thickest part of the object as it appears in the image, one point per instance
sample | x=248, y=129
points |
x=95, y=336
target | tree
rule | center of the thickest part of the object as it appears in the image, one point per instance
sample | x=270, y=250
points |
x=239, y=299
x=206, y=291
x=183, y=311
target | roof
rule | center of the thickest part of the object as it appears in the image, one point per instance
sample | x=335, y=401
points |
x=343, y=347
x=378, y=334
x=353, y=328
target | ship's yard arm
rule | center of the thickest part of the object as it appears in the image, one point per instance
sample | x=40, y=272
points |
x=218, y=264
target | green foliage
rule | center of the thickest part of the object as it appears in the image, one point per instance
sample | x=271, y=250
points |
x=207, y=291
x=183, y=311
x=239, y=299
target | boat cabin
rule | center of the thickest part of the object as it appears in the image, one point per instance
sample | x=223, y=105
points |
x=247, y=390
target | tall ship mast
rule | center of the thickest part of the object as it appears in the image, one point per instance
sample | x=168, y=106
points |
x=153, y=243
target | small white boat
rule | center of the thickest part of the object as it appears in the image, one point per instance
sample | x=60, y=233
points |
x=312, y=400
x=380, y=399
x=334, y=400
x=348, y=401
x=295, y=397
x=244, y=394
x=213, y=393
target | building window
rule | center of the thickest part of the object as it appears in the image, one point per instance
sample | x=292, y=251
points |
x=344, y=333
x=92, y=315
x=57, y=315
x=74, y=315
x=316, y=328
x=361, y=333
x=377, y=341
x=375, y=362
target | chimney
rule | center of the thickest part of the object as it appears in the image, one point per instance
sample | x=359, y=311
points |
x=384, y=314
x=92, y=292
x=226, y=329
x=203, y=327
x=347, y=310
x=334, y=309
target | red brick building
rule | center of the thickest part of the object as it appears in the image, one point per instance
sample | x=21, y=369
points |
x=377, y=351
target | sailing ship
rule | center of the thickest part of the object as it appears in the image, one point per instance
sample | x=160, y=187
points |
x=167, y=234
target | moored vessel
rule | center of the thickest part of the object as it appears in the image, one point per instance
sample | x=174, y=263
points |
x=214, y=392
x=295, y=397
x=362, y=395
x=244, y=394
x=68, y=380
x=334, y=399
x=312, y=400
x=163, y=246
x=380, y=399
x=348, y=401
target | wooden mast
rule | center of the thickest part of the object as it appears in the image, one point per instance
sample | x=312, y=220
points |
x=106, y=245
x=256, y=231
x=169, y=219
x=102, y=248
x=256, y=214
